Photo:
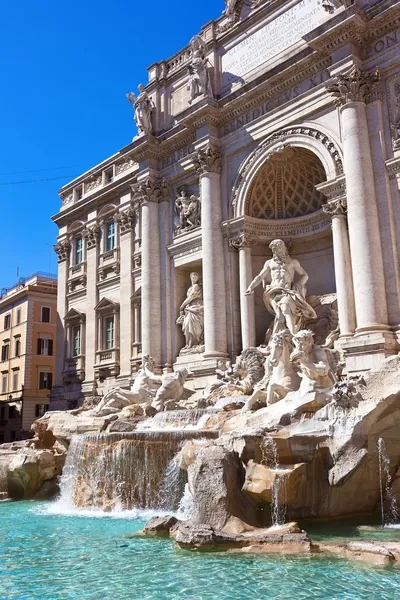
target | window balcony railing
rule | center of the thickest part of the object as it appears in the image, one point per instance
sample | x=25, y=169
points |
x=75, y=367
x=107, y=362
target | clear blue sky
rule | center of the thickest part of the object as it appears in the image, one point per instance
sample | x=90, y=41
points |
x=66, y=67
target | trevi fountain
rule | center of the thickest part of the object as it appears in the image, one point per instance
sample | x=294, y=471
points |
x=241, y=439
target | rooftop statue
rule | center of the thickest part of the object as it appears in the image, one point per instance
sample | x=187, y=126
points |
x=143, y=107
x=284, y=282
x=189, y=211
x=199, y=75
x=230, y=8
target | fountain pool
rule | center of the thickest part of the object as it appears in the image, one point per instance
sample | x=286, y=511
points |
x=49, y=556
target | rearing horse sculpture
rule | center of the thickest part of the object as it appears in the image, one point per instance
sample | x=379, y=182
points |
x=280, y=377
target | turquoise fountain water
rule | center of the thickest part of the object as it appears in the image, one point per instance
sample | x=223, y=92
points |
x=47, y=556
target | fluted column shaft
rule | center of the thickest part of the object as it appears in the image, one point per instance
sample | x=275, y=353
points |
x=208, y=164
x=352, y=91
x=247, y=309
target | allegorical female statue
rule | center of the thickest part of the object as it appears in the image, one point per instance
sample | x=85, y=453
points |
x=143, y=107
x=198, y=69
x=191, y=317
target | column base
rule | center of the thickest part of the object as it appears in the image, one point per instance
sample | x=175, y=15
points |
x=367, y=350
x=215, y=354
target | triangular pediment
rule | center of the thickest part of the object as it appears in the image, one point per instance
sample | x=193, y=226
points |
x=74, y=315
x=106, y=304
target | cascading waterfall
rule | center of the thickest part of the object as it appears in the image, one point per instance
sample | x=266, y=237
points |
x=177, y=419
x=126, y=470
x=389, y=509
x=270, y=459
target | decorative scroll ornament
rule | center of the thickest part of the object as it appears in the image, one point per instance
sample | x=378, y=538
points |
x=62, y=249
x=207, y=160
x=126, y=220
x=242, y=241
x=150, y=190
x=92, y=236
x=336, y=208
x=355, y=86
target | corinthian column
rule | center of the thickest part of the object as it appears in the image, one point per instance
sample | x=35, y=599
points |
x=343, y=274
x=247, y=312
x=148, y=194
x=352, y=91
x=207, y=162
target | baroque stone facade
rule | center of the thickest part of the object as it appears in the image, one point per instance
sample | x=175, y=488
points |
x=278, y=121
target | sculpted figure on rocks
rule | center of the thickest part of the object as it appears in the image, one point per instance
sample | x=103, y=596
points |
x=143, y=108
x=284, y=282
x=280, y=377
x=147, y=388
x=317, y=366
x=191, y=316
x=199, y=75
x=189, y=211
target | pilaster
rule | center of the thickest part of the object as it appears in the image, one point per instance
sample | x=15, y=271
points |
x=63, y=249
x=126, y=222
x=91, y=236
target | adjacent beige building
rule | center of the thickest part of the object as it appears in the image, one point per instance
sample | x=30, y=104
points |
x=281, y=119
x=28, y=315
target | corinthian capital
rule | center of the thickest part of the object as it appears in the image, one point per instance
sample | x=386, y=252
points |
x=242, y=241
x=355, y=86
x=150, y=190
x=62, y=249
x=126, y=220
x=336, y=208
x=92, y=236
x=207, y=160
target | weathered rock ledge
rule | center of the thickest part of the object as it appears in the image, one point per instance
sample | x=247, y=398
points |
x=28, y=472
x=288, y=539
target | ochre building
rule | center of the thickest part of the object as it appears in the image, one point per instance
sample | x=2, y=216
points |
x=279, y=120
x=28, y=315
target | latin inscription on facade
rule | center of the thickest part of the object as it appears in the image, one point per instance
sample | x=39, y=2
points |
x=277, y=35
x=286, y=96
x=177, y=157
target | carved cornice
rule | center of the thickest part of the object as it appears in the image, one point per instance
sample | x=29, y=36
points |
x=243, y=241
x=126, y=220
x=336, y=208
x=333, y=189
x=62, y=249
x=207, y=160
x=355, y=86
x=150, y=190
x=92, y=236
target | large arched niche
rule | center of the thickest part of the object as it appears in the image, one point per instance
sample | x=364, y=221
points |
x=321, y=151
x=276, y=195
x=285, y=186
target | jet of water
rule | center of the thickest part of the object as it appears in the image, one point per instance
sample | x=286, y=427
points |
x=389, y=509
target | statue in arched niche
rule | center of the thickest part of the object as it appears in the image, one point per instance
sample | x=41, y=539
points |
x=284, y=282
x=191, y=316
